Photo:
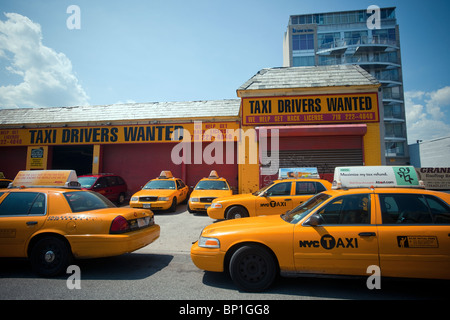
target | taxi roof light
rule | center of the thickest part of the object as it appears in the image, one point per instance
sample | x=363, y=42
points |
x=46, y=179
x=376, y=177
x=213, y=175
x=298, y=173
x=165, y=174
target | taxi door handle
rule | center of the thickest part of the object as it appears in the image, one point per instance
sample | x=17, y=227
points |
x=32, y=223
x=367, y=234
x=287, y=199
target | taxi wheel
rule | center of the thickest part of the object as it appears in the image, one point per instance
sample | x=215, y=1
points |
x=121, y=199
x=252, y=268
x=236, y=212
x=173, y=207
x=50, y=256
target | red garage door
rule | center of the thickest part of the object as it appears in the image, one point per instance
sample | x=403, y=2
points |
x=138, y=163
x=323, y=147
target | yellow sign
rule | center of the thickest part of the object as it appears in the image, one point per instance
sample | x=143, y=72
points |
x=156, y=133
x=48, y=178
x=310, y=109
x=37, y=157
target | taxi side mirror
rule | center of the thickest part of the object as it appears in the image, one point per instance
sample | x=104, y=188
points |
x=314, y=220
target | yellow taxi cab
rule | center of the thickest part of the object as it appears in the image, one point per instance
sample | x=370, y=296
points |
x=380, y=221
x=278, y=197
x=46, y=217
x=206, y=190
x=162, y=193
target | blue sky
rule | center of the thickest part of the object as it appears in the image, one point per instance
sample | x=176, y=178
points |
x=173, y=50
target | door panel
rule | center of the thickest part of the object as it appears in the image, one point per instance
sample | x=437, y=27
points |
x=346, y=242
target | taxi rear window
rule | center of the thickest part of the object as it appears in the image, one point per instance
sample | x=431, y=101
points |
x=80, y=201
x=413, y=209
x=22, y=204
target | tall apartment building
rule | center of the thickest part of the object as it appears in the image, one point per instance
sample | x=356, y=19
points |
x=346, y=38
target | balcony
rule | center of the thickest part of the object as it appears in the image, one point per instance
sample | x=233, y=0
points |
x=356, y=45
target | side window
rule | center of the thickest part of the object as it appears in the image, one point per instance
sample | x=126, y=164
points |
x=305, y=188
x=440, y=211
x=112, y=181
x=404, y=209
x=101, y=183
x=351, y=209
x=280, y=189
x=22, y=204
x=181, y=184
x=320, y=187
x=120, y=181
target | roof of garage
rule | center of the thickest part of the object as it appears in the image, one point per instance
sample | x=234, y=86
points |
x=309, y=77
x=129, y=112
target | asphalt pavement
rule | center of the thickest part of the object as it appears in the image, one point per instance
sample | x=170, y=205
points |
x=164, y=271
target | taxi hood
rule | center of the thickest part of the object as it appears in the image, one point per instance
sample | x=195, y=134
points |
x=246, y=225
x=211, y=193
x=155, y=192
x=237, y=197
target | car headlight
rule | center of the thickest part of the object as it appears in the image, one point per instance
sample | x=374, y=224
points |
x=216, y=205
x=193, y=199
x=206, y=242
x=134, y=199
x=163, y=198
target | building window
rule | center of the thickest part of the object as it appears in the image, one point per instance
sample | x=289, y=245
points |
x=393, y=111
x=387, y=75
x=303, y=61
x=384, y=36
x=355, y=37
x=394, y=130
x=395, y=149
x=392, y=93
x=303, y=41
x=328, y=40
x=329, y=60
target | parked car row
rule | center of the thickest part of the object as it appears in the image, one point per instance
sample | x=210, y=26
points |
x=369, y=216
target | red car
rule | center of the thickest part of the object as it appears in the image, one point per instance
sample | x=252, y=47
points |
x=110, y=185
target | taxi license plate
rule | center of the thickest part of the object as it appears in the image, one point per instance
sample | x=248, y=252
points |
x=207, y=206
x=147, y=205
x=143, y=222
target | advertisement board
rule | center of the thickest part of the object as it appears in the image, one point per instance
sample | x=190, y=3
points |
x=375, y=176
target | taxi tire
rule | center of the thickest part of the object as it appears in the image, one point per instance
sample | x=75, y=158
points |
x=253, y=268
x=173, y=207
x=236, y=212
x=61, y=258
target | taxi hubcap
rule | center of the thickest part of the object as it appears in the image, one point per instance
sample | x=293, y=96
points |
x=49, y=256
x=253, y=268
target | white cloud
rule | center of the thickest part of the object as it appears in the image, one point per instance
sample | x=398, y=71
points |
x=47, y=76
x=427, y=114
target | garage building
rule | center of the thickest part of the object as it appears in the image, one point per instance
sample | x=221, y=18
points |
x=320, y=116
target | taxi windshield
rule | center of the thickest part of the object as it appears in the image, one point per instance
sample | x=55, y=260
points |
x=261, y=191
x=160, y=184
x=299, y=212
x=86, y=182
x=211, y=185
x=80, y=201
